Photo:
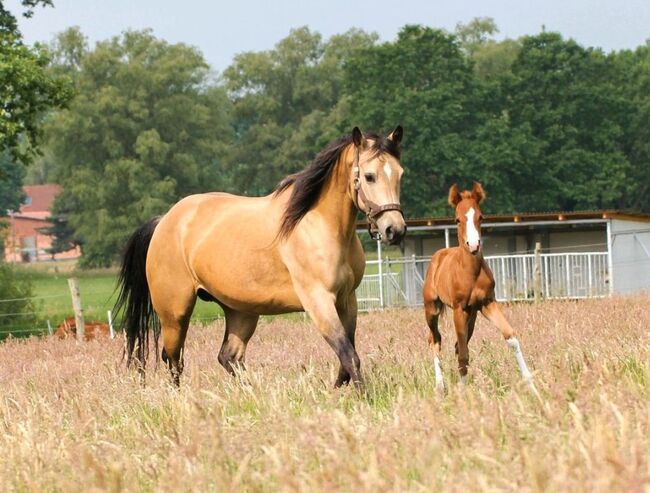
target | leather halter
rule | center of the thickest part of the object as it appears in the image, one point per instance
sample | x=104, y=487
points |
x=372, y=210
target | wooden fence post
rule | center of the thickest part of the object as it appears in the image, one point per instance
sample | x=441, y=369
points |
x=73, y=284
x=538, y=272
x=110, y=324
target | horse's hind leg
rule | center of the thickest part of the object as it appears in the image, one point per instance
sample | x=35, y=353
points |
x=493, y=313
x=174, y=332
x=239, y=329
x=432, y=312
x=174, y=306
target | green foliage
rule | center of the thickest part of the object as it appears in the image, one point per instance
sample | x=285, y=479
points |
x=27, y=89
x=15, y=307
x=541, y=121
x=566, y=97
x=288, y=104
x=423, y=82
x=11, y=181
x=145, y=129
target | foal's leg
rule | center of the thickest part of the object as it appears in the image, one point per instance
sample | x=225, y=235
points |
x=239, y=329
x=432, y=312
x=461, y=319
x=348, y=316
x=493, y=313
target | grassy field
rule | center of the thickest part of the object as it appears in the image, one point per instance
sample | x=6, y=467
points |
x=97, y=287
x=72, y=418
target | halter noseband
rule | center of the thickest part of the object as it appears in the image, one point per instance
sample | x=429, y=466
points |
x=372, y=209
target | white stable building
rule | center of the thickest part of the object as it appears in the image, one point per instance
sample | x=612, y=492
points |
x=583, y=254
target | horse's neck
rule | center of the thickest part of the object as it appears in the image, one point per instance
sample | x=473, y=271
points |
x=335, y=204
x=470, y=263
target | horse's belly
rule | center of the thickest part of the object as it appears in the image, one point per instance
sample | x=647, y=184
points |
x=253, y=297
x=248, y=282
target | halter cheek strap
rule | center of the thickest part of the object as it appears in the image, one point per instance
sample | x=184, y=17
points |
x=370, y=208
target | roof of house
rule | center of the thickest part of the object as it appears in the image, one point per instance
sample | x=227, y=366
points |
x=527, y=217
x=38, y=200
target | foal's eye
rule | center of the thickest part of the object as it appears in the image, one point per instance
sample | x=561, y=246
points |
x=370, y=177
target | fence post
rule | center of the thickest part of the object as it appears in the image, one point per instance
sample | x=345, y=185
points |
x=537, y=283
x=73, y=284
x=110, y=324
x=381, y=275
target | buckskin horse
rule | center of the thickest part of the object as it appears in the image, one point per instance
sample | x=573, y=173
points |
x=459, y=278
x=293, y=250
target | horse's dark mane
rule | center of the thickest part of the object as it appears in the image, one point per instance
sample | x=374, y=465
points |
x=308, y=183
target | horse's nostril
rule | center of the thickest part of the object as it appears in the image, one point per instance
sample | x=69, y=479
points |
x=389, y=233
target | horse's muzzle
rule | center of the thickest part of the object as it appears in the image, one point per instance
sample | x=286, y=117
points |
x=394, y=234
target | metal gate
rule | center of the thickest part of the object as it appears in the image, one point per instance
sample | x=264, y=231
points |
x=398, y=282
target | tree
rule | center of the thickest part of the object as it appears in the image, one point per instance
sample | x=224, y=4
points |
x=146, y=128
x=288, y=104
x=565, y=96
x=424, y=82
x=11, y=181
x=27, y=90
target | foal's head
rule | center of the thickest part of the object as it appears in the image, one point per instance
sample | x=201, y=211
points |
x=468, y=215
x=375, y=181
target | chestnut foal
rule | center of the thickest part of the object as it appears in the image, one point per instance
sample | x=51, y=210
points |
x=460, y=278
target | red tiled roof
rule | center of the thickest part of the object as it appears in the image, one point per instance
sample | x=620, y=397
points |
x=42, y=197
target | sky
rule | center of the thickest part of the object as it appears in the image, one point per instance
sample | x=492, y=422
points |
x=222, y=29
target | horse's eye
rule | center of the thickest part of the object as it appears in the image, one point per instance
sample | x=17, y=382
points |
x=457, y=220
x=370, y=177
x=480, y=218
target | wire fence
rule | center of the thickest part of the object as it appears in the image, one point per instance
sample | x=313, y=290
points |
x=387, y=283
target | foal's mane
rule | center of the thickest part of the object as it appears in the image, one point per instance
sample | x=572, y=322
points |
x=309, y=183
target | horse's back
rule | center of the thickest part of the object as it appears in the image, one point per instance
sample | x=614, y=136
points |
x=227, y=246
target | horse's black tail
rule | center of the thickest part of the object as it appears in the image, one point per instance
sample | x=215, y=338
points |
x=134, y=299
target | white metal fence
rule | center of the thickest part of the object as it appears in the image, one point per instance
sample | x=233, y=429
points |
x=398, y=282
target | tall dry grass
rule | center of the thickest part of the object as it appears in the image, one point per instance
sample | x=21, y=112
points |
x=71, y=417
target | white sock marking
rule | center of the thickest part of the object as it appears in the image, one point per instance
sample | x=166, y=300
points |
x=514, y=344
x=440, y=384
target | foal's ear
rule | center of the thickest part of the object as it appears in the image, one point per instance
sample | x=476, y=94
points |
x=396, y=135
x=358, y=138
x=454, y=196
x=478, y=193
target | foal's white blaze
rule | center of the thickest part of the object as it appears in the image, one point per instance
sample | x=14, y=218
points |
x=471, y=234
x=387, y=170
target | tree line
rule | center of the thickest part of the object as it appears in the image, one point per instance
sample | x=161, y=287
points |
x=543, y=122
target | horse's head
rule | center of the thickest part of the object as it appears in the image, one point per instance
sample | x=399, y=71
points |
x=375, y=181
x=468, y=215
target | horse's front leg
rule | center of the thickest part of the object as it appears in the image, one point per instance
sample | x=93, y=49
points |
x=461, y=320
x=348, y=315
x=321, y=306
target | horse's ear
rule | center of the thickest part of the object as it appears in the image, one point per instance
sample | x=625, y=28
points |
x=396, y=135
x=358, y=138
x=454, y=196
x=478, y=193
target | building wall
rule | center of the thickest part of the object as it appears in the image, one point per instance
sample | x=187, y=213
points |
x=631, y=263
x=25, y=242
x=497, y=242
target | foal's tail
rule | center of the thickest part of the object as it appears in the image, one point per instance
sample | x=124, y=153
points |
x=134, y=298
